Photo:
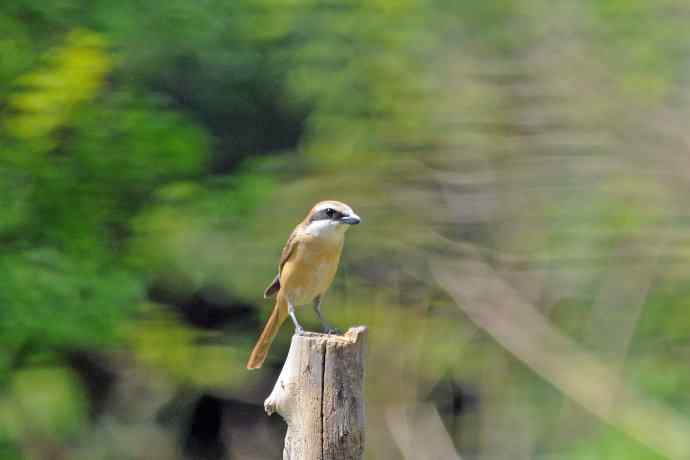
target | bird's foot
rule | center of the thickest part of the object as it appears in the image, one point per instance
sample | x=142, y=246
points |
x=299, y=330
x=330, y=330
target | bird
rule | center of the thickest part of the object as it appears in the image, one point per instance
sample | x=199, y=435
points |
x=308, y=264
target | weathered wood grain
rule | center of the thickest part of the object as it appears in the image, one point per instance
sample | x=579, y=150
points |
x=320, y=394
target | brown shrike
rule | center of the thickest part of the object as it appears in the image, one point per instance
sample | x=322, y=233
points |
x=306, y=269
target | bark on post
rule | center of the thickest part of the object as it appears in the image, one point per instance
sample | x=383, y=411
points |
x=320, y=394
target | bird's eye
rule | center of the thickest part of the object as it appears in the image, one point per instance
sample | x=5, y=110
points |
x=330, y=212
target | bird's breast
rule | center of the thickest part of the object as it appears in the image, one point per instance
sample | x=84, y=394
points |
x=310, y=270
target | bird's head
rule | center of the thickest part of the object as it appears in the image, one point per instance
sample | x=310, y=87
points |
x=330, y=218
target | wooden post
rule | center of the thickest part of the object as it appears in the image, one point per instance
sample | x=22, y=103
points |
x=320, y=394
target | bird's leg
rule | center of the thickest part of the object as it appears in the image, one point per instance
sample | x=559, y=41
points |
x=327, y=328
x=299, y=330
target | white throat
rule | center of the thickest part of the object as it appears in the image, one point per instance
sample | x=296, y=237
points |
x=326, y=229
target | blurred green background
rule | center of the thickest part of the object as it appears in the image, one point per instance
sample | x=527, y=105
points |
x=522, y=168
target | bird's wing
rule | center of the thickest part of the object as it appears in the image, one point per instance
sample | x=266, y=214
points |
x=288, y=249
x=284, y=256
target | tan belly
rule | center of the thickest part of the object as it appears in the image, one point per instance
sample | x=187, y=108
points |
x=309, y=272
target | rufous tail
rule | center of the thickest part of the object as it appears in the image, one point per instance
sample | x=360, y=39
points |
x=260, y=351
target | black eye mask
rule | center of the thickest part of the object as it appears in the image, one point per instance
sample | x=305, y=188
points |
x=324, y=215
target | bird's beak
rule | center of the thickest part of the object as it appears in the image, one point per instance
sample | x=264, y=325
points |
x=352, y=219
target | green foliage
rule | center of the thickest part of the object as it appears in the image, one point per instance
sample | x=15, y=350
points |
x=193, y=235
x=163, y=343
x=74, y=75
x=78, y=166
x=42, y=401
x=609, y=443
x=650, y=46
x=49, y=298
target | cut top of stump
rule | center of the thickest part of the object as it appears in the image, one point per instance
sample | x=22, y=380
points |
x=353, y=335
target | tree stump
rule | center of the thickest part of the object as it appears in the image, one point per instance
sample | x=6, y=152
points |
x=320, y=394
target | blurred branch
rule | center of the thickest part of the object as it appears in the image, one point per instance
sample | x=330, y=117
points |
x=522, y=330
x=419, y=433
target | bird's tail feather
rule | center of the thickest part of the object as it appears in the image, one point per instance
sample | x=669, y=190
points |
x=260, y=351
